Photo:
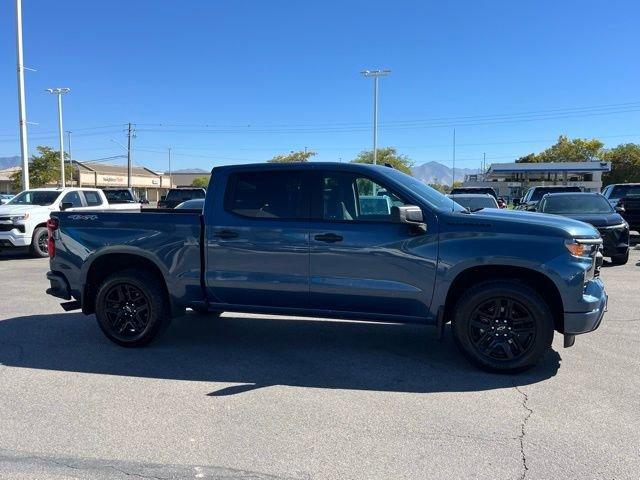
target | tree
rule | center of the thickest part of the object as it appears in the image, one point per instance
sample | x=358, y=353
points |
x=625, y=164
x=200, y=182
x=44, y=169
x=387, y=155
x=292, y=157
x=565, y=150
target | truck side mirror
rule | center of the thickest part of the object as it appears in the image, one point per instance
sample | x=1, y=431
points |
x=163, y=198
x=619, y=209
x=66, y=205
x=516, y=202
x=410, y=215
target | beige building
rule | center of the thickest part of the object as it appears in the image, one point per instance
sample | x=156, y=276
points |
x=144, y=181
x=185, y=178
x=5, y=179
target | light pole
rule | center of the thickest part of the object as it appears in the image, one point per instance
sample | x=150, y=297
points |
x=22, y=110
x=59, y=92
x=375, y=74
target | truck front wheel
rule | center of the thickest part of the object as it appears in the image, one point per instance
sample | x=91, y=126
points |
x=39, y=245
x=503, y=326
x=132, y=308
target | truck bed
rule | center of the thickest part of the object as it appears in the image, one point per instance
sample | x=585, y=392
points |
x=170, y=239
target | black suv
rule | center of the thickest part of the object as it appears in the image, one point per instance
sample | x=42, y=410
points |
x=535, y=194
x=176, y=196
x=625, y=197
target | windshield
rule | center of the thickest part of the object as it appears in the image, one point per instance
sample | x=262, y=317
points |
x=35, y=197
x=182, y=195
x=119, y=196
x=568, y=204
x=424, y=191
x=476, y=191
x=538, y=193
x=476, y=202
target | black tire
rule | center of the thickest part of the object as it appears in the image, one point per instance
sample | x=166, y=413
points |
x=519, y=326
x=39, y=246
x=205, y=311
x=620, y=259
x=132, y=308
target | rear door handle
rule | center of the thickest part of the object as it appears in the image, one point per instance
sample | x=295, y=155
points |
x=225, y=234
x=328, y=237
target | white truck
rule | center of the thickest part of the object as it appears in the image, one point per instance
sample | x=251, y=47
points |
x=23, y=220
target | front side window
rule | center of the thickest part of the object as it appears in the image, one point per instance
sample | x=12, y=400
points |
x=349, y=197
x=92, y=198
x=275, y=195
x=73, y=198
x=35, y=197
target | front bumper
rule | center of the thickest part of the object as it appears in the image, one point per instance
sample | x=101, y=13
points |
x=615, y=241
x=595, y=299
x=14, y=238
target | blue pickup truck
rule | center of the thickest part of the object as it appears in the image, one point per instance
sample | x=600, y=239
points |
x=296, y=239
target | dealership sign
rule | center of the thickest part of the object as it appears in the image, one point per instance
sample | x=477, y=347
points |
x=108, y=179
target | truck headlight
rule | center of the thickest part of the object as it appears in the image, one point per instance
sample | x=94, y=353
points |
x=578, y=249
x=20, y=218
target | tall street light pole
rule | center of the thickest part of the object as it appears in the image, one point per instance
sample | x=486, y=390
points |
x=22, y=110
x=59, y=92
x=375, y=74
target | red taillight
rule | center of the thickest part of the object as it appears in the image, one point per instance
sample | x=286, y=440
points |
x=52, y=226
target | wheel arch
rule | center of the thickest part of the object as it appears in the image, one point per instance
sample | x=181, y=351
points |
x=108, y=263
x=540, y=282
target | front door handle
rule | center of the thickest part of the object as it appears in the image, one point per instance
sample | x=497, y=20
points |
x=225, y=234
x=328, y=237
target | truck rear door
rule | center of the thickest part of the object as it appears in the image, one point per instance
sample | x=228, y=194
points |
x=257, y=240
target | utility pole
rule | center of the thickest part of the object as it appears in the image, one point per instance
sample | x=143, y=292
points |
x=59, y=91
x=170, y=182
x=129, y=171
x=375, y=74
x=22, y=109
x=484, y=163
x=453, y=170
x=70, y=157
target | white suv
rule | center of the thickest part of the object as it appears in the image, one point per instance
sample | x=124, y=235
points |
x=23, y=220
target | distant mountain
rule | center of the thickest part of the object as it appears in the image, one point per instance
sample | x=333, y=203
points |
x=434, y=172
x=8, y=162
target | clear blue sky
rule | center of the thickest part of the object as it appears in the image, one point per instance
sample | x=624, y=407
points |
x=252, y=79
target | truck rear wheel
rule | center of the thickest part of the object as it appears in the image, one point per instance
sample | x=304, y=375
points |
x=39, y=245
x=132, y=308
x=503, y=326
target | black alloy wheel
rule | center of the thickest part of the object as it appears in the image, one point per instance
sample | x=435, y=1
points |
x=127, y=311
x=503, y=325
x=502, y=329
x=132, y=307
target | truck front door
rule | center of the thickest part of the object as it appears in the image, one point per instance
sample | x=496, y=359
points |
x=258, y=249
x=360, y=260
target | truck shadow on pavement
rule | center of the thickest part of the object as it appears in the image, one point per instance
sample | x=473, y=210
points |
x=260, y=352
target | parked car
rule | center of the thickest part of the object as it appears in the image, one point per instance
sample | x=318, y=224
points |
x=195, y=204
x=5, y=197
x=626, y=197
x=593, y=208
x=23, y=219
x=475, y=202
x=175, y=196
x=124, y=197
x=531, y=198
x=474, y=190
x=294, y=239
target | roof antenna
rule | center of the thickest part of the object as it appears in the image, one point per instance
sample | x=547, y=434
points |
x=453, y=171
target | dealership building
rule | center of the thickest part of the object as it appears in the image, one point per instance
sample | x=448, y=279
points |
x=511, y=180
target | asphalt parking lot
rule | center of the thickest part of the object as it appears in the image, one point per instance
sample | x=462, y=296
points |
x=256, y=397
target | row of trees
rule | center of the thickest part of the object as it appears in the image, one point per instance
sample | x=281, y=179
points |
x=387, y=155
x=44, y=169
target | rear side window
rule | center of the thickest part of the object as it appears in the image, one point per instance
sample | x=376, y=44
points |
x=92, y=198
x=275, y=195
x=73, y=198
